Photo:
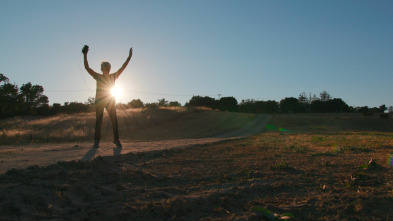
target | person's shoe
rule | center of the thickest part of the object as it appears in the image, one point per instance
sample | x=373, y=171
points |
x=96, y=144
x=118, y=144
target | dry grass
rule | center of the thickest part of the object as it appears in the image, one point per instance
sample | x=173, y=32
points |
x=134, y=124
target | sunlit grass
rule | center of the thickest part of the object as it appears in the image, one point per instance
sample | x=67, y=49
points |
x=334, y=142
x=138, y=123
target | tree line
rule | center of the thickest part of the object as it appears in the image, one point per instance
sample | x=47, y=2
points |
x=303, y=104
x=26, y=100
x=29, y=99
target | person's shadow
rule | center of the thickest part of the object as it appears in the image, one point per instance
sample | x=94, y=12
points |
x=90, y=154
x=117, y=151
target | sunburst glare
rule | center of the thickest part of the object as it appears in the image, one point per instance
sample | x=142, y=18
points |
x=116, y=92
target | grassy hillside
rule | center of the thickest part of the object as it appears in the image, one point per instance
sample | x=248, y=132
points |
x=176, y=123
x=332, y=122
x=134, y=124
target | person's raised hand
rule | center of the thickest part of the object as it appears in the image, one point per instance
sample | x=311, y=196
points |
x=130, y=52
x=85, y=49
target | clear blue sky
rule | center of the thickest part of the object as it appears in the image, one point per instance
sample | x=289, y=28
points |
x=265, y=50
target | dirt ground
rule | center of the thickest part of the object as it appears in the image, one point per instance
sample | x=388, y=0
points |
x=23, y=156
x=302, y=167
x=216, y=128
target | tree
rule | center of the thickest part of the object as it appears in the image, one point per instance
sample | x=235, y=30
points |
x=305, y=101
x=135, y=103
x=291, y=105
x=162, y=102
x=91, y=101
x=364, y=109
x=10, y=100
x=174, y=104
x=151, y=105
x=325, y=96
x=317, y=106
x=198, y=101
x=337, y=105
x=270, y=107
x=75, y=107
x=3, y=78
x=33, y=97
x=382, y=108
x=121, y=106
x=56, y=108
x=247, y=106
x=227, y=104
x=260, y=107
x=303, y=98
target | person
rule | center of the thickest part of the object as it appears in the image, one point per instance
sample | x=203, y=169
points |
x=104, y=99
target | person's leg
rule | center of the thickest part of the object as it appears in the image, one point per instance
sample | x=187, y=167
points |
x=99, y=117
x=111, y=108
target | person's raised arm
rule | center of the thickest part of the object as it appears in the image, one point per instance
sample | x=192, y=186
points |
x=85, y=50
x=118, y=73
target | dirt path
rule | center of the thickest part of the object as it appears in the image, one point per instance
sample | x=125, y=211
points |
x=20, y=157
x=23, y=156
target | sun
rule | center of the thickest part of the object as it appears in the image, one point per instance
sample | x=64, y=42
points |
x=116, y=92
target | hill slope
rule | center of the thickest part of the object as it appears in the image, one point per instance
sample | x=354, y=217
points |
x=134, y=124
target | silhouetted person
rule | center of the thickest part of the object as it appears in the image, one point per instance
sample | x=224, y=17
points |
x=104, y=98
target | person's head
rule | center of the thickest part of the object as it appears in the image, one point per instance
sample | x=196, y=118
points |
x=105, y=67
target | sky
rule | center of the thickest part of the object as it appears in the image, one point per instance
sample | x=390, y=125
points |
x=262, y=50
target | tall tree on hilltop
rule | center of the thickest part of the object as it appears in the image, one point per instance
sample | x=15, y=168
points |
x=3, y=78
x=135, y=103
x=325, y=96
x=9, y=98
x=227, y=104
x=33, y=97
x=303, y=98
x=198, y=101
x=291, y=105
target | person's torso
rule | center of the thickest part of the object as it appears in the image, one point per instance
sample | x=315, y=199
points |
x=104, y=85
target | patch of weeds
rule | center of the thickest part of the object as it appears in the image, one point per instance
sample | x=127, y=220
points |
x=227, y=178
x=357, y=149
x=296, y=148
x=341, y=149
x=387, y=147
x=281, y=165
x=370, y=165
x=59, y=195
x=325, y=164
x=262, y=148
x=317, y=139
x=264, y=213
x=244, y=144
x=364, y=177
x=254, y=175
x=325, y=154
x=322, y=140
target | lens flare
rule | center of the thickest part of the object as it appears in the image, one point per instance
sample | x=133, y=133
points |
x=270, y=127
x=284, y=130
x=390, y=160
x=116, y=92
